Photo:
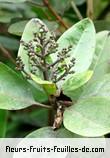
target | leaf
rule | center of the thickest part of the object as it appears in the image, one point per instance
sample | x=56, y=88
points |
x=79, y=35
x=17, y=28
x=89, y=117
x=101, y=25
x=75, y=82
x=9, y=43
x=30, y=118
x=3, y=123
x=64, y=5
x=95, y=99
x=15, y=93
x=102, y=53
x=49, y=87
x=6, y=16
x=79, y=2
x=32, y=27
x=13, y=1
x=101, y=5
x=48, y=132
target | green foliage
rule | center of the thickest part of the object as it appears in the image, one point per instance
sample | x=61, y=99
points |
x=15, y=93
x=9, y=43
x=13, y=1
x=82, y=73
x=47, y=132
x=75, y=82
x=90, y=115
x=17, y=28
x=3, y=123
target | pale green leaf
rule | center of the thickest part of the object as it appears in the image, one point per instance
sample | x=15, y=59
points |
x=48, y=132
x=102, y=55
x=89, y=117
x=16, y=93
x=17, y=28
x=79, y=35
x=75, y=82
x=48, y=86
x=31, y=27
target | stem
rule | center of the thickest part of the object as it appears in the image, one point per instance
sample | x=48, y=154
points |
x=7, y=54
x=90, y=9
x=42, y=105
x=76, y=10
x=47, y=4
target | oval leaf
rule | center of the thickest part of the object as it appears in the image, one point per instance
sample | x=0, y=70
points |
x=79, y=35
x=17, y=28
x=75, y=82
x=89, y=117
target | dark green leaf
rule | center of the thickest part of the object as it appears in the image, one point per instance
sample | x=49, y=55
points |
x=3, y=122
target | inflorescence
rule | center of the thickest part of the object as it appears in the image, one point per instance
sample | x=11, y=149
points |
x=39, y=50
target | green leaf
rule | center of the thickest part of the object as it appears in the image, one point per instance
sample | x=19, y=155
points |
x=6, y=16
x=89, y=117
x=48, y=132
x=100, y=87
x=9, y=43
x=48, y=86
x=79, y=2
x=99, y=7
x=75, y=82
x=15, y=93
x=64, y=5
x=32, y=27
x=17, y=28
x=3, y=122
x=102, y=55
x=101, y=25
x=13, y=1
x=79, y=35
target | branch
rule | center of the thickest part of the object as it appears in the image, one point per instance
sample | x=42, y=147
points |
x=76, y=10
x=47, y=4
x=7, y=54
x=90, y=9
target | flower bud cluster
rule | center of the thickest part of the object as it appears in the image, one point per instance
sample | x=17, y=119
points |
x=39, y=50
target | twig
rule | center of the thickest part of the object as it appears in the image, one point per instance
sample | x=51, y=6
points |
x=7, y=54
x=47, y=4
x=76, y=10
x=43, y=105
x=90, y=9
